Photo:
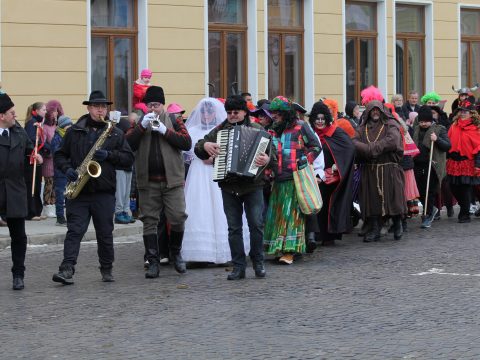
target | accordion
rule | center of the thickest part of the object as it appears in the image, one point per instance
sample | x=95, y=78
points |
x=239, y=146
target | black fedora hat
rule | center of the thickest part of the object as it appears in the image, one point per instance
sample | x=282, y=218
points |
x=97, y=97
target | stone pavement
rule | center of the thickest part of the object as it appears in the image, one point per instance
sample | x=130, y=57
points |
x=352, y=301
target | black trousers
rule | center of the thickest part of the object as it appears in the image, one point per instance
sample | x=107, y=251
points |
x=99, y=207
x=322, y=216
x=463, y=194
x=16, y=227
x=35, y=206
x=421, y=175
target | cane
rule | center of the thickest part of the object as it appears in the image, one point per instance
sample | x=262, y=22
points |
x=428, y=178
x=35, y=162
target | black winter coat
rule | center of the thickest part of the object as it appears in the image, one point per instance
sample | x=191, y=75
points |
x=14, y=151
x=78, y=141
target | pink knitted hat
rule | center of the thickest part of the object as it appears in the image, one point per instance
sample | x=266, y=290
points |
x=175, y=108
x=146, y=73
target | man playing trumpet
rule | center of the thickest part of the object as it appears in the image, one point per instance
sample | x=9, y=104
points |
x=158, y=140
x=96, y=200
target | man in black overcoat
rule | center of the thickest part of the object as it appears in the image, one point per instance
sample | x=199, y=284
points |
x=15, y=149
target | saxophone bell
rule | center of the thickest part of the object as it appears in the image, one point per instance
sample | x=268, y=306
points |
x=94, y=169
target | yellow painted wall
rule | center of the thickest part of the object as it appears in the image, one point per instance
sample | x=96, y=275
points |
x=176, y=49
x=328, y=44
x=43, y=53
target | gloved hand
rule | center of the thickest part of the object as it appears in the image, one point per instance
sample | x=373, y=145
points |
x=162, y=129
x=71, y=174
x=146, y=120
x=100, y=155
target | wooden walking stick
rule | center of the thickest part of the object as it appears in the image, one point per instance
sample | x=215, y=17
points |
x=428, y=178
x=35, y=152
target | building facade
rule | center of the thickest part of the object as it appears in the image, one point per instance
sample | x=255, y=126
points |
x=304, y=49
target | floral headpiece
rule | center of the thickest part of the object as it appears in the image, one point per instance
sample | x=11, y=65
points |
x=280, y=103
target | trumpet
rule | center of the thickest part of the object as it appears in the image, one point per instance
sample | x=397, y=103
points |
x=155, y=122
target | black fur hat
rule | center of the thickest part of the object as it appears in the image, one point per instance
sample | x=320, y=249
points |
x=154, y=94
x=236, y=102
x=425, y=114
x=5, y=103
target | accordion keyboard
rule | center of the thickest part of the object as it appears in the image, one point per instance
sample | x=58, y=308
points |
x=220, y=165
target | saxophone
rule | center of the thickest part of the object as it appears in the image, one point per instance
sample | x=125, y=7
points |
x=88, y=168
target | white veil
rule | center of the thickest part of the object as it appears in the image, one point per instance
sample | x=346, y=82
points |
x=204, y=108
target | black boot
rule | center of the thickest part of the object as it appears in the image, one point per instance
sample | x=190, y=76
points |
x=311, y=242
x=404, y=225
x=106, y=274
x=259, y=269
x=17, y=283
x=374, y=233
x=65, y=274
x=151, y=251
x=397, y=227
x=236, y=274
x=176, y=238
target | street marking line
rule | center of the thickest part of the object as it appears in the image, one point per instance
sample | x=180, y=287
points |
x=435, y=271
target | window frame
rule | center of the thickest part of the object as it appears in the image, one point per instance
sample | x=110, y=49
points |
x=468, y=40
x=224, y=29
x=283, y=32
x=357, y=36
x=112, y=33
x=414, y=36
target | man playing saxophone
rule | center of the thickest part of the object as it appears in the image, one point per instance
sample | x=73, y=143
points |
x=95, y=197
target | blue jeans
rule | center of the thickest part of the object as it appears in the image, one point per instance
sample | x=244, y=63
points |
x=233, y=206
x=60, y=183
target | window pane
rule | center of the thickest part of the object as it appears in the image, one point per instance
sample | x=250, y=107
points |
x=351, y=69
x=273, y=65
x=99, y=64
x=465, y=79
x=400, y=66
x=475, y=64
x=367, y=63
x=285, y=13
x=409, y=19
x=415, y=64
x=293, y=50
x=112, y=13
x=226, y=11
x=235, y=62
x=470, y=22
x=123, y=74
x=214, y=61
x=360, y=16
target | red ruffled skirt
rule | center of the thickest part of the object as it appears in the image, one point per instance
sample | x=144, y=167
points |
x=411, y=190
x=461, y=167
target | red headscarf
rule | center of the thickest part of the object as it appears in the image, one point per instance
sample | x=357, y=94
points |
x=465, y=138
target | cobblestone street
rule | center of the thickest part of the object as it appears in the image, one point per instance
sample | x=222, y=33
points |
x=354, y=300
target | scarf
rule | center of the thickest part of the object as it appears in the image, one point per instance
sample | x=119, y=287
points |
x=61, y=131
x=326, y=131
x=465, y=138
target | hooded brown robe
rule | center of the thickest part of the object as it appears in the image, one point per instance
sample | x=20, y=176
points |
x=380, y=154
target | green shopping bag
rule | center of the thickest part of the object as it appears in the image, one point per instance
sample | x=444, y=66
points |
x=306, y=188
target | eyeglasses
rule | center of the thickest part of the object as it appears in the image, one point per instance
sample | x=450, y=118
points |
x=99, y=106
x=234, y=112
x=153, y=105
